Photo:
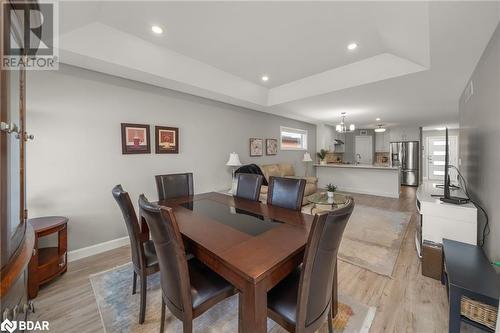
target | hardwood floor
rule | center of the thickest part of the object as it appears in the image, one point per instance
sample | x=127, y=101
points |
x=409, y=302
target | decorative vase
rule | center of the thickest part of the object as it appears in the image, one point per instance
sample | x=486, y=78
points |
x=322, y=162
x=330, y=194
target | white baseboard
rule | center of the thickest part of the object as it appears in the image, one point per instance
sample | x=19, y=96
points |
x=97, y=248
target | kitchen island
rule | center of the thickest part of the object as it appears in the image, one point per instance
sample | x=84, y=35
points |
x=360, y=178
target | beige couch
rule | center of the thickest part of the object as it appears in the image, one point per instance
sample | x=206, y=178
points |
x=286, y=170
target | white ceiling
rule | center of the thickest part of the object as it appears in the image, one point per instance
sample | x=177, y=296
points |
x=413, y=60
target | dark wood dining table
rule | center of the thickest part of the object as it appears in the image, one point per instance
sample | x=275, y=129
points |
x=251, y=244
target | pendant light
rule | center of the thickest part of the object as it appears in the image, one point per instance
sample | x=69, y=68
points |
x=380, y=129
x=342, y=127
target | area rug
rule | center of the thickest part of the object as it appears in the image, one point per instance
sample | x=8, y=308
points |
x=119, y=309
x=373, y=238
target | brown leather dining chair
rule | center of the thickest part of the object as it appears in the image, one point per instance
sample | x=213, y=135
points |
x=286, y=192
x=174, y=185
x=144, y=258
x=302, y=301
x=248, y=186
x=189, y=288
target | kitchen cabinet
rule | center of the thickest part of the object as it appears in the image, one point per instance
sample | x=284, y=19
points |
x=404, y=134
x=382, y=141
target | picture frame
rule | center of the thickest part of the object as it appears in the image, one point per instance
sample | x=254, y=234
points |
x=256, y=147
x=166, y=140
x=271, y=147
x=135, y=139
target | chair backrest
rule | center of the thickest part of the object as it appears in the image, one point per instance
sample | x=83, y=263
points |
x=286, y=192
x=320, y=259
x=174, y=185
x=167, y=240
x=248, y=186
x=134, y=231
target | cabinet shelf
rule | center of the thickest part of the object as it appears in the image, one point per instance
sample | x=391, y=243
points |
x=47, y=256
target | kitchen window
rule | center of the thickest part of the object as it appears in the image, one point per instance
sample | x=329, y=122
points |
x=293, y=138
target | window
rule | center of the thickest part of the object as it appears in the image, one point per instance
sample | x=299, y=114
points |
x=293, y=139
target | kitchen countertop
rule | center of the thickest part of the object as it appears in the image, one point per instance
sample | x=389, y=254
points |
x=356, y=166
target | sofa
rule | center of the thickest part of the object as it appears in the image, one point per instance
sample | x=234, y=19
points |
x=286, y=170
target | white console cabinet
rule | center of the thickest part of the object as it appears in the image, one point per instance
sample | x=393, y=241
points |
x=440, y=220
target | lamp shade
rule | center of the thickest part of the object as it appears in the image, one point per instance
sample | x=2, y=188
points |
x=234, y=160
x=307, y=157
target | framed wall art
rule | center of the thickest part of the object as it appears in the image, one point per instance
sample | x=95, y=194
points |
x=271, y=146
x=135, y=139
x=167, y=140
x=256, y=147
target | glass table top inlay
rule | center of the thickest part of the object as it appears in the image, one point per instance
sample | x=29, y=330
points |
x=244, y=221
x=322, y=198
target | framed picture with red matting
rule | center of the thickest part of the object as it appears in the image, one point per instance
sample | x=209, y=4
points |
x=135, y=139
x=167, y=140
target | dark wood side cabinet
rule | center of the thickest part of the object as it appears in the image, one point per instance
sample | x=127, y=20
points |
x=468, y=273
x=16, y=236
x=48, y=263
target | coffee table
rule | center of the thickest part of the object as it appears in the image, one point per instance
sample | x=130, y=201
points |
x=321, y=201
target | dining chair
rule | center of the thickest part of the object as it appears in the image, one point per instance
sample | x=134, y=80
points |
x=174, y=185
x=248, y=186
x=189, y=287
x=144, y=259
x=302, y=301
x=286, y=192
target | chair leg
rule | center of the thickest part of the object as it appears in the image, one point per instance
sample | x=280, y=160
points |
x=187, y=326
x=330, y=320
x=134, y=283
x=142, y=310
x=162, y=320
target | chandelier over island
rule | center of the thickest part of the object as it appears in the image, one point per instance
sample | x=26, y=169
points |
x=342, y=127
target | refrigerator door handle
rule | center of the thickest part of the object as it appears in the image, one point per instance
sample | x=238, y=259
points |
x=403, y=154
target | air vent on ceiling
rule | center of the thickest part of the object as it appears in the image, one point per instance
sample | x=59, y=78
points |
x=469, y=91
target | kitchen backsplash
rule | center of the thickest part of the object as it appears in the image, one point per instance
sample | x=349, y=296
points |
x=334, y=157
x=382, y=158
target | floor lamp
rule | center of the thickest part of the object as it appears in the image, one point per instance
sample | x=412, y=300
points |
x=233, y=162
x=307, y=158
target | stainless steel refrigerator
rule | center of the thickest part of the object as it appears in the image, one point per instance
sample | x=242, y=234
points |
x=406, y=156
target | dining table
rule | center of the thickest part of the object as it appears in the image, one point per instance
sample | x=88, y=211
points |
x=250, y=244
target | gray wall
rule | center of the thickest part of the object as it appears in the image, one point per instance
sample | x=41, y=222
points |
x=76, y=156
x=480, y=137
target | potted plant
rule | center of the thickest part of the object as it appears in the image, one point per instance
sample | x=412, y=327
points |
x=322, y=155
x=330, y=188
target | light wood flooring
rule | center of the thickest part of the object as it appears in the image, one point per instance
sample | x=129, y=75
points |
x=409, y=302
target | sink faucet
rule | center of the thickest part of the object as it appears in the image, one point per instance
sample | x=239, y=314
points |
x=358, y=158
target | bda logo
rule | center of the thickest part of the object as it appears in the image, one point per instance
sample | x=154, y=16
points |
x=8, y=325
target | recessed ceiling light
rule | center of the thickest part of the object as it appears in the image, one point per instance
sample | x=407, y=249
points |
x=352, y=46
x=265, y=78
x=157, y=29
x=378, y=119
